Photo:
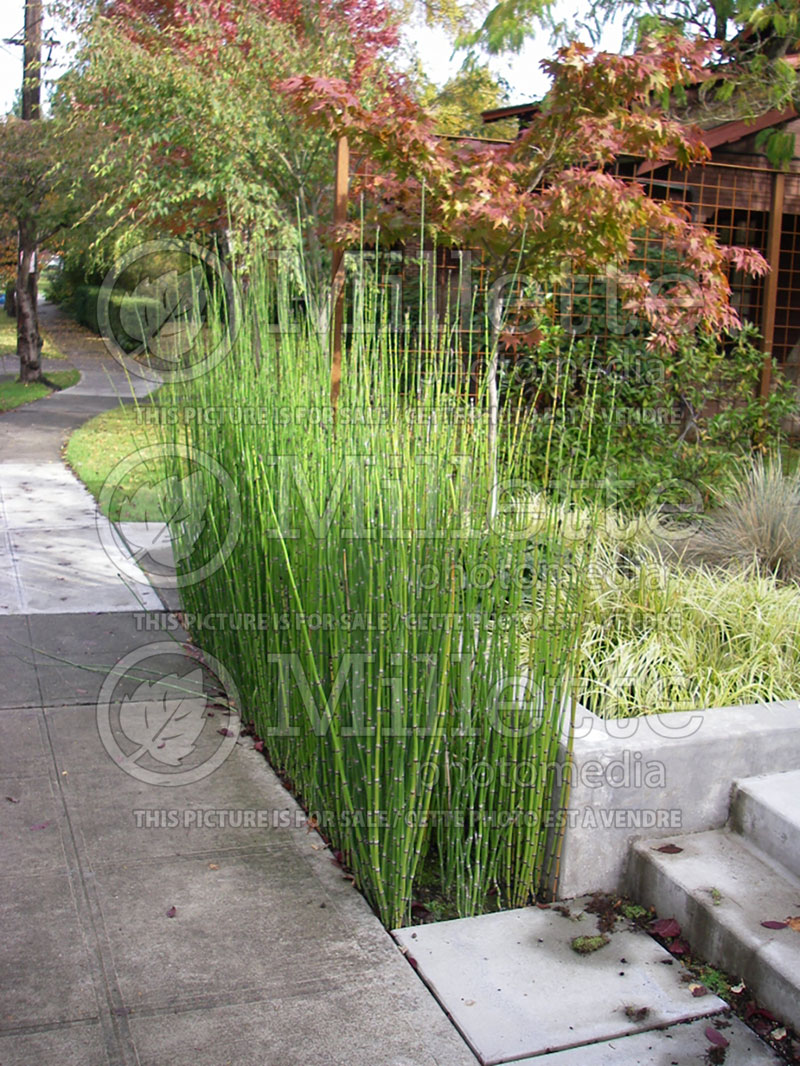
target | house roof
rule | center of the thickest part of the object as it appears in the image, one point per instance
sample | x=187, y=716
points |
x=497, y=114
x=713, y=136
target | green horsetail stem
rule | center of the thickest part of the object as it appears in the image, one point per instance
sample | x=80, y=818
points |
x=390, y=564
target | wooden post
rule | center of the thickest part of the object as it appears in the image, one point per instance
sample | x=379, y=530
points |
x=338, y=276
x=29, y=341
x=771, y=289
x=32, y=61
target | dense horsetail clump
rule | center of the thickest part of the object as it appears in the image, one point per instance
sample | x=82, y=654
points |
x=386, y=579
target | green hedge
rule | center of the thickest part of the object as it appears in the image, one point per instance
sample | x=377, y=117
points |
x=84, y=308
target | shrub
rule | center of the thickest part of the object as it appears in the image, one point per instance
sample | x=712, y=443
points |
x=142, y=309
x=644, y=449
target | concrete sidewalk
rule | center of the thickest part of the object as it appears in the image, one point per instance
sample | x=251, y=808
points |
x=145, y=919
x=163, y=901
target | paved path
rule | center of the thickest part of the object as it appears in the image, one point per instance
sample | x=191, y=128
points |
x=51, y=557
x=137, y=928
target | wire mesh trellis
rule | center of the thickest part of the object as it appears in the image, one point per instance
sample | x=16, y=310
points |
x=734, y=200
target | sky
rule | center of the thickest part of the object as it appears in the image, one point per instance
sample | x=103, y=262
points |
x=12, y=23
x=522, y=72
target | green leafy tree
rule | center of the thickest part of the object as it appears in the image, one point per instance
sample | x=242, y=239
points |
x=458, y=105
x=202, y=145
x=746, y=76
x=39, y=174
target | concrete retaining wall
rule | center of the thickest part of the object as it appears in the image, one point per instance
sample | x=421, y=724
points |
x=660, y=775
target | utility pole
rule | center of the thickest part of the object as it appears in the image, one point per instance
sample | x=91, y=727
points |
x=29, y=342
x=32, y=61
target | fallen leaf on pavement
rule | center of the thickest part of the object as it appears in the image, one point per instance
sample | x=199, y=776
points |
x=715, y=1037
x=666, y=927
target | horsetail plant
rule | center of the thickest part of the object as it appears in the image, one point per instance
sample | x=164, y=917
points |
x=386, y=567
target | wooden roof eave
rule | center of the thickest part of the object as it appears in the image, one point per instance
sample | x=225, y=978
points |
x=727, y=133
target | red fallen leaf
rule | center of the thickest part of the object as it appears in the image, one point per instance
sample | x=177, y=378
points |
x=338, y=858
x=210, y=714
x=172, y=912
x=760, y=1025
x=11, y=799
x=679, y=947
x=412, y=961
x=753, y=1012
x=226, y=733
x=715, y=1037
x=258, y=746
x=666, y=927
x=774, y=925
x=163, y=744
x=669, y=849
x=41, y=825
x=699, y=990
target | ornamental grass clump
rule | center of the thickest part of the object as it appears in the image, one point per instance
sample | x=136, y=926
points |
x=758, y=520
x=387, y=562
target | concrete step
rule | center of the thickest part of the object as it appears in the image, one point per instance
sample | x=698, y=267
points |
x=766, y=809
x=720, y=892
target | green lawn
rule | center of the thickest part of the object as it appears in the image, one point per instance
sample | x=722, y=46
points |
x=14, y=394
x=94, y=450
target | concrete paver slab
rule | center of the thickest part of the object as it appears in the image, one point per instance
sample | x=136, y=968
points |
x=514, y=986
x=215, y=943
x=686, y=1043
x=78, y=1044
x=32, y=823
x=43, y=948
x=317, y=1026
x=67, y=570
x=24, y=750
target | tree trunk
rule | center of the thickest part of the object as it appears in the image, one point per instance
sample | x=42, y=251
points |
x=29, y=343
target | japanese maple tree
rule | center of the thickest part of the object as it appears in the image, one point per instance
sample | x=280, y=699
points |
x=551, y=200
